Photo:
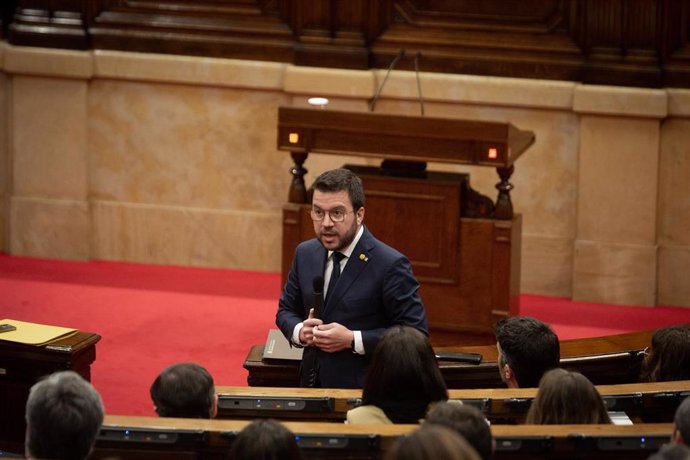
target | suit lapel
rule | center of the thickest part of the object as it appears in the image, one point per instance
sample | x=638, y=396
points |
x=355, y=265
x=318, y=265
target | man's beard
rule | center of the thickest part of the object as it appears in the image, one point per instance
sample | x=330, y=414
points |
x=347, y=238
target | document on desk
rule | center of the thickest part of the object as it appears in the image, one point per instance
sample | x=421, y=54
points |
x=619, y=418
x=277, y=347
x=34, y=333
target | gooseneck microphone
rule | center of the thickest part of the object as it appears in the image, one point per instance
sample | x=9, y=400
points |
x=318, y=296
x=372, y=104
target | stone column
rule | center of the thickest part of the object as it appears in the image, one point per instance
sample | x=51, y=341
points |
x=49, y=211
x=615, y=255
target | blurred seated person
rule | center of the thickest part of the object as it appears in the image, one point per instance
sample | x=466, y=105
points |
x=681, y=423
x=668, y=357
x=671, y=452
x=64, y=413
x=466, y=420
x=184, y=390
x=265, y=440
x=402, y=380
x=566, y=397
x=432, y=442
x=526, y=348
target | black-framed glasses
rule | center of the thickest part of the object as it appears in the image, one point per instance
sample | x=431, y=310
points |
x=336, y=215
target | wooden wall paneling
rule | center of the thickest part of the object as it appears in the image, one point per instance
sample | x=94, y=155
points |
x=619, y=42
x=7, y=8
x=337, y=33
x=487, y=40
x=232, y=29
x=675, y=43
x=52, y=24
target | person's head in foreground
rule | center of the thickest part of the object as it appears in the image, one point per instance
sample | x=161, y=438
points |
x=184, y=390
x=64, y=413
x=466, y=420
x=403, y=377
x=566, y=397
x=671, y=452
x=668, y=357
x=432, y=442
x=681, y=423
x=265, y=440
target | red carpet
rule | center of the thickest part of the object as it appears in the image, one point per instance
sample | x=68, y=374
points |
x=152, y=316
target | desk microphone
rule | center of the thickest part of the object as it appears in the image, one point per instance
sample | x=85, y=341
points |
x=372, y=104
x=318, y=296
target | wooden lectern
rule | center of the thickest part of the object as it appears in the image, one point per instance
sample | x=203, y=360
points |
x=23, y=365
x=464, y=248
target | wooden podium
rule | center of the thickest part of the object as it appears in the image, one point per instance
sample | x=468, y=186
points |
x=23, y=365
x=464, y=248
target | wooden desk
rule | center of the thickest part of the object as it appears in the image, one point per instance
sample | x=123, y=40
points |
x=147, y=438
x=23, y=365
x=604, y=360
x=640, y=401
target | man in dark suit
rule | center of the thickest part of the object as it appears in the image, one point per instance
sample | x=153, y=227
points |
x=368, y=287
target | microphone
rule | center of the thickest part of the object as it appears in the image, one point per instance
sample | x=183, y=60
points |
x=372, y=104
x=318, y=296
x=419, y=84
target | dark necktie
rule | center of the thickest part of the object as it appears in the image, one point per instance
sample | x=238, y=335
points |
x=335, y=273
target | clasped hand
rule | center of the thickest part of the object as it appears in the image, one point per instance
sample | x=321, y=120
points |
x=331, y=337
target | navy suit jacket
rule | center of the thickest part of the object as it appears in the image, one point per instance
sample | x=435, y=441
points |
x=376, y=290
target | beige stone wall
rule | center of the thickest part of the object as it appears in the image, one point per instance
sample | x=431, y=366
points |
x=673, y=224
x=173, y=160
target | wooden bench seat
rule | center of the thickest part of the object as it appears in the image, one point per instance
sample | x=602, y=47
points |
x=149, y=438
x=640, y=401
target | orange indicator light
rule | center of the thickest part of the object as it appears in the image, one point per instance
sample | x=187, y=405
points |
x=493, y=153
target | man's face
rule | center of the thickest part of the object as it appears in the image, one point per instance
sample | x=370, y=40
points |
x=335, y=236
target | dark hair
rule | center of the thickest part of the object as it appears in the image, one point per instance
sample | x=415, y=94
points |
x=681, y=420
x=337, y=180
x=671, y=452
x=669, y=355
x=265, y=440
x=468, y=421
x=63, y=416
x=529, y=347
x=432, y=442
x=183, y=390
x=566, y=397
x=403, y=377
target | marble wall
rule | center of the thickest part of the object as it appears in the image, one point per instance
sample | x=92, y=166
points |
x=173, y=160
